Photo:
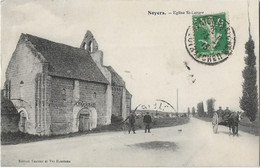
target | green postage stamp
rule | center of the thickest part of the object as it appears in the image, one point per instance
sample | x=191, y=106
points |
x=211, y=39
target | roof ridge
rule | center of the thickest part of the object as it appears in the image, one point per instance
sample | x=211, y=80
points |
x=32, y=47
x=26, y=35
x=116, y=78
x=65, y=60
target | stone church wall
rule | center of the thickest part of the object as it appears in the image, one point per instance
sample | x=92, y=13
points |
x=64, y=97
x=128, y=105
x=117, y=107
x=61, y=105
x=20, y=74
x=95, y=93
x=97, y=56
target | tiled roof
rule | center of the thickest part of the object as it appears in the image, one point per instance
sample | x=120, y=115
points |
x=67, y=61
x=128, y=93
x=115, y=78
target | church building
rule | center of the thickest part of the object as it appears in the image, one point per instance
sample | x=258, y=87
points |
x=58, y=89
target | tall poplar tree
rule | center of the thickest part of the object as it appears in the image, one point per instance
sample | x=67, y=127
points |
x=193, y=111
x=211, y=106
x=249, y=100
x=200, y=109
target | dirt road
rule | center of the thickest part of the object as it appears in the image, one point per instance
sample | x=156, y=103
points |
x=193, y=144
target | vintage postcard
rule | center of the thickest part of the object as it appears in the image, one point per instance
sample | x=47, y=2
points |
x=131, y=83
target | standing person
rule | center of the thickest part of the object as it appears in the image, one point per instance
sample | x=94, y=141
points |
x=131, y=120
x=220, y=112
x=147, y=121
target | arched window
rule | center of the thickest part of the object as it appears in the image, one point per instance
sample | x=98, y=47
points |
x=21, y=89
x=94, y=95
x=64, y=94
x=90, y=46
x=113, y=99
x=85, y=47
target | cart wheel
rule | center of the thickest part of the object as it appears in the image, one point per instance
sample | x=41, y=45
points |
x=215, y=123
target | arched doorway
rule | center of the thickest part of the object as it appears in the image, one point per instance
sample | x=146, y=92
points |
x=87, y=119
x=23, y=119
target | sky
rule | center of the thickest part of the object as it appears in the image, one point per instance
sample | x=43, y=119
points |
x=147, y=51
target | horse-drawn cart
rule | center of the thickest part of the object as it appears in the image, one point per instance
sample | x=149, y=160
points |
x=231, y=121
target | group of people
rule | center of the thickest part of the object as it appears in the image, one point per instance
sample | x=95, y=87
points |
x=225, y=114
x=147, y=120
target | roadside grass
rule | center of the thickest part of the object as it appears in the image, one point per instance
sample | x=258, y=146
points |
x=250, y=127
x=244, y=125
x=20, y=137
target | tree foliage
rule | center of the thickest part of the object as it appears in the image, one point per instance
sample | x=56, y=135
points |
x=193, y=111
x=200, y=109
x=249, y=100
x=188, y=111
x=211, y=106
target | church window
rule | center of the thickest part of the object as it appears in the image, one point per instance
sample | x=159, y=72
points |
x=95, y=95
x=85, y=47
x=64, y=94
x=21, y=89
x=113, y=98
x=90, y=46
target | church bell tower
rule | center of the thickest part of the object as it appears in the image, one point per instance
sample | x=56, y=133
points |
x=89, y=43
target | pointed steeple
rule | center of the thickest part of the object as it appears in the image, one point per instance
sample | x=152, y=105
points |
x=89, y=43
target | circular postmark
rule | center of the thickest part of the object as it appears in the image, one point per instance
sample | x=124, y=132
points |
x=210, y=40
x=157, y=105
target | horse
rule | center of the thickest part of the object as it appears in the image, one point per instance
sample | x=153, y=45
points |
x=232, y=122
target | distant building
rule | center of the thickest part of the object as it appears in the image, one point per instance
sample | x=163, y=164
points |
x=59, y=89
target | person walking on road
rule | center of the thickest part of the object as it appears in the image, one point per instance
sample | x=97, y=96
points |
x=147, y=122
x=131, y=120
